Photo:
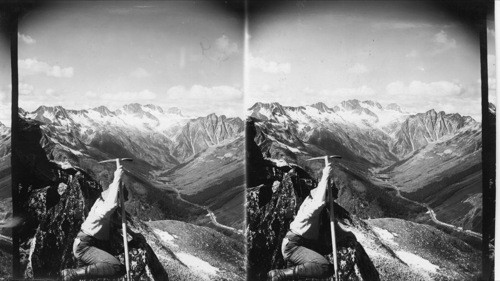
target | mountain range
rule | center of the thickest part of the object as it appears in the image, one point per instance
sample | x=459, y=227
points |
x=173, y=156
x=159, y=141
x=395, y=163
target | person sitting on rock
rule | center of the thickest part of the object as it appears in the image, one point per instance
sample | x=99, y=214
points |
x=303, y=236
x=91, y=242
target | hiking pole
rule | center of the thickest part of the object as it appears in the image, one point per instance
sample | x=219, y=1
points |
x=332, y=218
x=124, y=217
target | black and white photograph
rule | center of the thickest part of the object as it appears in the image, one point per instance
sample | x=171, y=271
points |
x=364, y=141
x=252, y=140
x=7, y=221
x=130, y=121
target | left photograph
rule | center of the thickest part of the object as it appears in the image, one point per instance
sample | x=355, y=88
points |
x=7, y=221
x=131, y=142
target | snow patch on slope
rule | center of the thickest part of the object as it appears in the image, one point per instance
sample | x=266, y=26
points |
x=197, y=264
x=417, y=261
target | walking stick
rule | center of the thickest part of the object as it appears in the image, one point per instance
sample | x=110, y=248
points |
x=332, y=218
x=124, y=228
x=332, y=227
x=124, y=217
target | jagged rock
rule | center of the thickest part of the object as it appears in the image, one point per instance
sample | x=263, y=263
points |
x=420, y=129
x=51, y=221
x=200, y=133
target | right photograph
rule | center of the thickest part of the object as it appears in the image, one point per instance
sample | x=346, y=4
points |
x=364, y=141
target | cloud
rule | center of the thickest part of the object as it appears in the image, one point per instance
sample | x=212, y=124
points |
x=418, y=88
x=34, y=66
x=26, y=38
x=123, y=97
x=221, y=49
x=223, y=45
x=268, y=66
x=199, y=100
x=363, y=92
x=358, y=68
x=205, y=94
x=5, y=113
x=26, y=89
x=140, y=73
x=443, y=42
x=451, y=97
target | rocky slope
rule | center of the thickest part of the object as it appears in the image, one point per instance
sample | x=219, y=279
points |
x=381, y=249
x=201, y=133
x=421, y=129
x=192, y=252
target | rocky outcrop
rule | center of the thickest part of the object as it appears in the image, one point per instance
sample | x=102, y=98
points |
x=273, y=197
x=201, y=133
x=420, y=129
x=55, y=202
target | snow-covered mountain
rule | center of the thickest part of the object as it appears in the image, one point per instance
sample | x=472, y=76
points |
x=159, y=141
x=145, y=132
x=433, y=157
x=366, y=128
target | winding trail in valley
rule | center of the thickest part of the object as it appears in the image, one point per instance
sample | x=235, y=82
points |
x=211, y=214
x=430, y=211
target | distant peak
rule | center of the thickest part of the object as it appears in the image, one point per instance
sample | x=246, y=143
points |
x=154, y=107
x=321, y=107
x=351, y=104
x=393, y=106
x=103, y=110
x=133, y=107
x=174, y=110
x=373, y=104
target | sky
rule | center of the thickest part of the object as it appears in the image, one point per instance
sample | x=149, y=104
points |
x=391, y=52
x=5, y=73
x=185, y=54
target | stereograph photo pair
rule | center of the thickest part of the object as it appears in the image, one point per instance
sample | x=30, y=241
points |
x=212, y=140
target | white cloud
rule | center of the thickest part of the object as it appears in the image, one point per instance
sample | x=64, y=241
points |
x=447, y=96
x=358, y=68
x=268, y=66
x=418, y=88
x=123, y=97
x=26, y=89
x=221, y=49
x=140, y=73
x=223, y=45
x=205, y=94
x=26, y=38
x=34, y=66
x=5, y=113
x=363, y=92
x=443, y=42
